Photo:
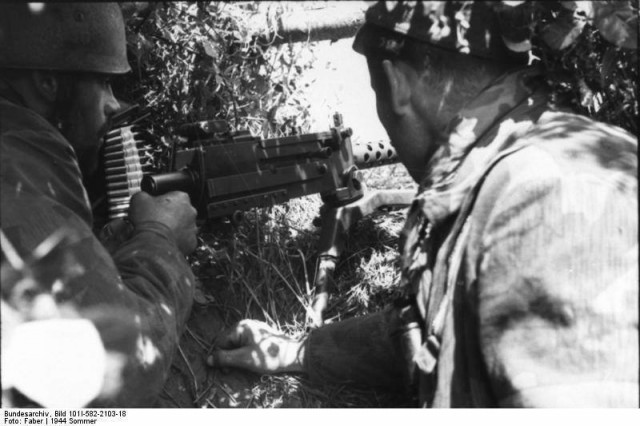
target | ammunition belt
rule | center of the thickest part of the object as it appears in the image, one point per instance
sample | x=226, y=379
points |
x=124, y=153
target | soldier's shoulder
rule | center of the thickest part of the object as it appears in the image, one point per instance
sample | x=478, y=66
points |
x=565, y=130
x=574, y=141
x=563, y=150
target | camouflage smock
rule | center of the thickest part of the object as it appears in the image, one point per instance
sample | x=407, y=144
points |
x=521, y=253
x=143, y=290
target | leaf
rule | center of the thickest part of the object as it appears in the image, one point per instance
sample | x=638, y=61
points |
x=193, y=10
x=618, y=23
x=584, y=8
x=561, y=33
x=210, y=49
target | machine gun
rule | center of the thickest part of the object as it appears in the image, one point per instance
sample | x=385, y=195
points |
x=226, y=173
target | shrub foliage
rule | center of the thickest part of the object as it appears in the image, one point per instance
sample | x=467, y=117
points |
x=202, y=61
x=589, y=53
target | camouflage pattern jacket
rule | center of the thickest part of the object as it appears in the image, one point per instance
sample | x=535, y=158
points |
x=520, y=258
x=139, y=295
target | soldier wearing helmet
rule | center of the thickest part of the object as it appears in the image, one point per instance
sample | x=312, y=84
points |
x=519, y=256
x=56, y=103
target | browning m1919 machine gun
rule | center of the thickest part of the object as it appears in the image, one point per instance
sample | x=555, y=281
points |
x=226, y=173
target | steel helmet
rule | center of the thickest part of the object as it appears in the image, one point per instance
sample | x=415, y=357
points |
x=87, y=37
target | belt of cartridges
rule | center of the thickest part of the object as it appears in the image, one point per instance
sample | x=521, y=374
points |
x=123, y=154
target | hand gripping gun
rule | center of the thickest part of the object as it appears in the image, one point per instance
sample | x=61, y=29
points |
x=226, y=173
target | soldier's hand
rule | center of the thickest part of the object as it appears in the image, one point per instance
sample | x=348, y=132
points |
x=115, y=233
x=254, y=346
x=173, y=209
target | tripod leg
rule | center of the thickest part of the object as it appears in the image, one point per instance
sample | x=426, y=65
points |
x=336, y=222
x=323, y=284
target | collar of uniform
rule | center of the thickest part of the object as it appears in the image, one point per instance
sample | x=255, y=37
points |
x=24, y=114
x=486, y=126
x=10, y=94
x=24, y=118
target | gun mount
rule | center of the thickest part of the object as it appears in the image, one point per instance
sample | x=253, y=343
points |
x=226, y=173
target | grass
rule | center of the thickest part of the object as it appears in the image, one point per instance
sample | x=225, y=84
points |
x=263, y=269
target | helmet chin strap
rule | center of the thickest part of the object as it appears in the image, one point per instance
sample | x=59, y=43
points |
x=63, y=102
x=9, y=92
x=25, y=91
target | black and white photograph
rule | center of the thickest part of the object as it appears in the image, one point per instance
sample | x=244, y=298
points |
x=318, y=204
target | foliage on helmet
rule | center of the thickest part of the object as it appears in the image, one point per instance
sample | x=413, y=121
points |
x=587, y=48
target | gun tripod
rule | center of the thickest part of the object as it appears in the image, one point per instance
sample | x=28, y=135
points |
x=336, y=221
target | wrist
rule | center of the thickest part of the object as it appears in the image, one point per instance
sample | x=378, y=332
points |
x=293, y=355
x=155, y=227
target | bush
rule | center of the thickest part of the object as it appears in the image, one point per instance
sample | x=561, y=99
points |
x=202, y=61
x=594, y=70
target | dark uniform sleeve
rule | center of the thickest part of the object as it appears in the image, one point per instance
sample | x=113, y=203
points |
x=159, y=285
x=139, y=298
x=358, y=350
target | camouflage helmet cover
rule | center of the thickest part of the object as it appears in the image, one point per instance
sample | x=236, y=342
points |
x=87, y=37
x=495, y=30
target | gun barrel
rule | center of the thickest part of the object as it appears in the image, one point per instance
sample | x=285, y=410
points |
x=182, y=180
x=374, y=154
